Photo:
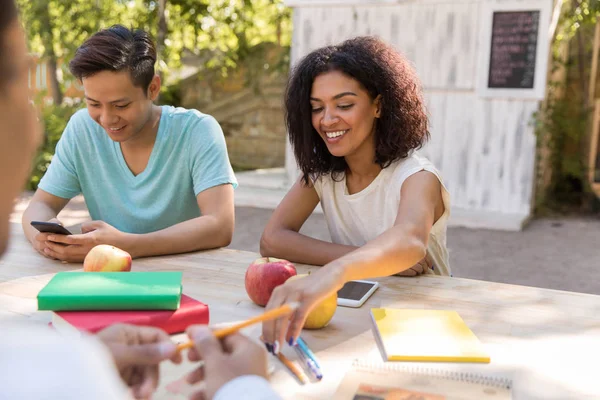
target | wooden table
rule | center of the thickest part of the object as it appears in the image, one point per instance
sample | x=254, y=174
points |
x=547, y=341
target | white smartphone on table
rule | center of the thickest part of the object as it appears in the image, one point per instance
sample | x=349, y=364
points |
x=355, y=293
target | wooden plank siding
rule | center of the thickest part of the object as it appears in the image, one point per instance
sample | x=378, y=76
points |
x=445, y=57
x=485, y=148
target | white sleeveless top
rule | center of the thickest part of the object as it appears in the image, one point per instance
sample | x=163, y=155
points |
x=354, y=219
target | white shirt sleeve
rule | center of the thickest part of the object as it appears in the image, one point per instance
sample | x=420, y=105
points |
x=247, y=387
x=38, y=363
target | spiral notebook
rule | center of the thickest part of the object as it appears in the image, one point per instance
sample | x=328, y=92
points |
x=378, y=381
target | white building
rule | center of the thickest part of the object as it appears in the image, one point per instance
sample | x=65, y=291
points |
x=482, y=138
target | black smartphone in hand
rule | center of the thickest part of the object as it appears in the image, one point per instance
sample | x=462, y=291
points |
x=50, y=227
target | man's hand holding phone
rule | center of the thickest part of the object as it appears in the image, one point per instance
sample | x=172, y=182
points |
x=47, y=228
x=67, y=247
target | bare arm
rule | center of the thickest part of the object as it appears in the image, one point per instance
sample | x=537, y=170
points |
x=211, y=230
x=405, y=244
x=281, y=237
x=214, y=228
x=396, y=250
x=42, y=207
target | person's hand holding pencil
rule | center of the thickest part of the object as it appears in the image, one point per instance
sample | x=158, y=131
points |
x=223, y=360
x=278, y=312
x=226, y=354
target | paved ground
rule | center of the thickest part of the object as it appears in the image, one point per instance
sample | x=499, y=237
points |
x=558, y=254
x=551, y=253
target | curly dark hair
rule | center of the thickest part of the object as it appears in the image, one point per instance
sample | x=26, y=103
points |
x=381, y=70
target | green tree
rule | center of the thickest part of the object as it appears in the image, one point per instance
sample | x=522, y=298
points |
x=223, y=32
x=563, y=122
x=56, y=27
x=229, y=28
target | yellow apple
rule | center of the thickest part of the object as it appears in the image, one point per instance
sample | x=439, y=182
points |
x=320, y=316
x=107, y=258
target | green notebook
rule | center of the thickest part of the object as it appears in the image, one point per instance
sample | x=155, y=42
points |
x=111, y=291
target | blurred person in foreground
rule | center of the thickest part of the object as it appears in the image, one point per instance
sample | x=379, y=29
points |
x=122, y=360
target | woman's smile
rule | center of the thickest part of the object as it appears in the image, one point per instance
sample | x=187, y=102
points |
x=335, y=136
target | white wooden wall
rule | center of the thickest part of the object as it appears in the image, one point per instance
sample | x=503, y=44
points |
x=485, y=148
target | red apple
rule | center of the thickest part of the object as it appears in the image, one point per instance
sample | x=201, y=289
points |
x=107, y=258
x=264, y=275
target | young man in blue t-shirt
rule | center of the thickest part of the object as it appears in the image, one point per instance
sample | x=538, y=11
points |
x=156, y=179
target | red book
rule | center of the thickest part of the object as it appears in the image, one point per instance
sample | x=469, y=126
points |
x=190, y=312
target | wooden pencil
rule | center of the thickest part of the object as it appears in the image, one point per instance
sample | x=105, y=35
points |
x=269, y=315
x=293, y=368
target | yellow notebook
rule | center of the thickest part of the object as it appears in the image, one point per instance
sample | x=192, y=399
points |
x=426, y=335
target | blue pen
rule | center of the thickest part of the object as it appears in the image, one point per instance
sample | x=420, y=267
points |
x=302, y=344
x=314, y=370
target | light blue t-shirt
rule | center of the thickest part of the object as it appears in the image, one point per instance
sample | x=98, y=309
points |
x=189, y=156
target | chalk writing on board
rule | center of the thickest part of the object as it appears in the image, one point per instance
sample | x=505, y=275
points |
x=513, y=50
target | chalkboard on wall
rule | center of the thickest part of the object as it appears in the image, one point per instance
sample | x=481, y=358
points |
x=513, y=49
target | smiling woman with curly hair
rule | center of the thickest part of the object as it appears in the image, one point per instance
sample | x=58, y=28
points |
x=386, y=76
x=355, y=115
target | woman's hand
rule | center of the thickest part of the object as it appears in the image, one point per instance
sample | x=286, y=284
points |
x=309, y=292
x=419, y=268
